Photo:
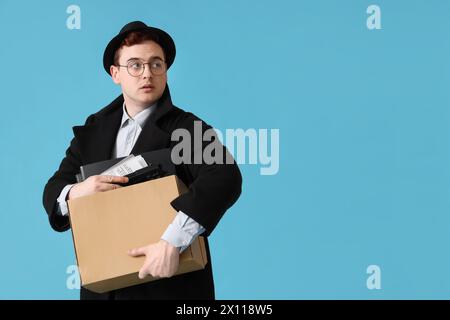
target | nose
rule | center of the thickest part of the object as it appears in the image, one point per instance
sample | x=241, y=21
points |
x=147, y=73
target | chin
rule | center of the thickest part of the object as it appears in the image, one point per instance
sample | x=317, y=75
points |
x=149, y=99
x=150, y=96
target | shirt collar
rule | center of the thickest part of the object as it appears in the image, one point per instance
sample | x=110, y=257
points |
x=140, y=118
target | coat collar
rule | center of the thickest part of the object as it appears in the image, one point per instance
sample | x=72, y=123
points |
x=96, y=140
x=140, y=118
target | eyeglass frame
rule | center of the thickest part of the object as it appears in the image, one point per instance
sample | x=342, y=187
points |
x=143, y=69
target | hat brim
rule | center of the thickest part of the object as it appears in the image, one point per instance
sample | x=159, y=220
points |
x=161, y=37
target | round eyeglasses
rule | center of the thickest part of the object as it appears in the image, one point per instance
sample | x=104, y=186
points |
x=136, y=68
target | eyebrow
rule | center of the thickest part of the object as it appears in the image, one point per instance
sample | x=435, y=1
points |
x=151, y=58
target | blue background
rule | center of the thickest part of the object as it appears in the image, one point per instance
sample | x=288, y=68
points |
x=364, y=137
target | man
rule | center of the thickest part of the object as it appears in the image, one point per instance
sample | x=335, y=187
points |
x=142, y=119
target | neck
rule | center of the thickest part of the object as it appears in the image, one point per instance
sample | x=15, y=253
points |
x=133, y=108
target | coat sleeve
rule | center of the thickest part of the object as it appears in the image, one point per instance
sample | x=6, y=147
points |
x=65, y=175
x=215, y=187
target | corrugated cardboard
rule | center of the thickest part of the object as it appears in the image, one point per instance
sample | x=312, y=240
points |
x=106, y=225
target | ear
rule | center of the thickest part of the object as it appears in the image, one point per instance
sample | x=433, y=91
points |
x=115, y=75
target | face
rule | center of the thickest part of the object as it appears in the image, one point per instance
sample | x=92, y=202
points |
x=143, y=90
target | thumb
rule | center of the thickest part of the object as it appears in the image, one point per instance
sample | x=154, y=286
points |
x=137, y=252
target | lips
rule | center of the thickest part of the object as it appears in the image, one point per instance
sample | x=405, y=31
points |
x=147, y=86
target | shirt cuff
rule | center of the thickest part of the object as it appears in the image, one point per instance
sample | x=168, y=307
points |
x=182, y=231
x=62, y=204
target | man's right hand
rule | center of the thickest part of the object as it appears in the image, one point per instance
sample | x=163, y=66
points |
x=95, y=184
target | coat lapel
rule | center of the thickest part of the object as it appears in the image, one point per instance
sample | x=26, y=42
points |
x=152, y=137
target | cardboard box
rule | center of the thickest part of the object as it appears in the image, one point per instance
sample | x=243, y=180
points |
x=106, y=225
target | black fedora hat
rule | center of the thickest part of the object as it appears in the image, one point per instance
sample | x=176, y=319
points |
x=161, y=37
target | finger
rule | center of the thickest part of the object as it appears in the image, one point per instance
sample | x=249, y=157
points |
x=108, y=186
x=113, y=179
x=137, y=252
x=154, y=274
x=143, y=272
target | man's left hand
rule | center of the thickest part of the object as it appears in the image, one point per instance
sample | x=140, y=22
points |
x=162, y=259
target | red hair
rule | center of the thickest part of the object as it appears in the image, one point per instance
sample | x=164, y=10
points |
x=135, y=37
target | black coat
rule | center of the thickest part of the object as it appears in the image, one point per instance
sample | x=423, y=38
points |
x=212, y=188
